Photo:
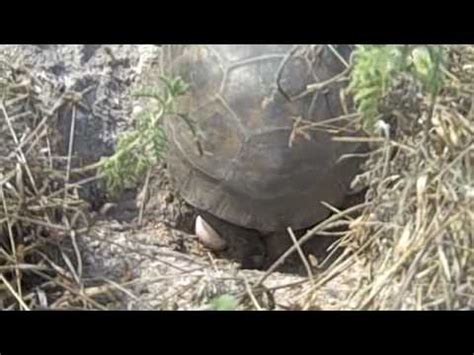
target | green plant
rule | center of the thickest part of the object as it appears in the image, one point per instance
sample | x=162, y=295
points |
x=224, y=303
x=139, y=148
x=376, y=69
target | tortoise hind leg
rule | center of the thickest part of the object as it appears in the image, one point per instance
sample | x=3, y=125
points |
x=277, y=243
x=244, y=246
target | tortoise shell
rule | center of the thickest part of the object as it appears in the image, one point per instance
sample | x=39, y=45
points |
x=257, y=170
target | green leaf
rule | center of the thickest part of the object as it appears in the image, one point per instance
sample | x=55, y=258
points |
x=224, y=303
x=422, y=61
x=142, y=146
x=365, y=93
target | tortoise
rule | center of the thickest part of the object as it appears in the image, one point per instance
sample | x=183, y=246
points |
x=258, y=168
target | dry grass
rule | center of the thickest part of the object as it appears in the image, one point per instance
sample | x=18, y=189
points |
x=415, y=237
x=41, y=214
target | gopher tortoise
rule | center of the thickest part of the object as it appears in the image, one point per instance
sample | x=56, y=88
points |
x=245, y=101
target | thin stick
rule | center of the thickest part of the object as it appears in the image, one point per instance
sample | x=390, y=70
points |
x=12, y=242
x=336, y=53
x=308, y=236
x=22, y=159
x=251, y=295
x=13, y=292
x=69, y=153
x=145, y=197
x=301, y=254
x=321, y=85
x=70, y=289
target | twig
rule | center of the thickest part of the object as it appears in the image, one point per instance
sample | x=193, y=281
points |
x=144, y=193
x=336, y=53
x=69, y=153
x=22, y=159
x=319, y=86
x=13, y=292
x=251, y=295
x=308, y=236
x=12, y=242
x=301, y=254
